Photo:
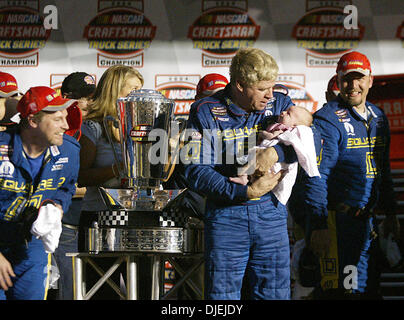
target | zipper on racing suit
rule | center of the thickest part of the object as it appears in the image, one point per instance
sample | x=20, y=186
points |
x=31, y=189
x=371, y=200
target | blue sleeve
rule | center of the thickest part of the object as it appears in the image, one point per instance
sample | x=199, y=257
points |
x=315, y=199
x=200, y=155
x=297, y=204
x=67, y=189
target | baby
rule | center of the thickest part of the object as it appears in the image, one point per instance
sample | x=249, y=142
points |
x=299, y=137
x=287, y=120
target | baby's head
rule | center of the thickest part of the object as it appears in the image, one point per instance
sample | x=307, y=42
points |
x=296, y=116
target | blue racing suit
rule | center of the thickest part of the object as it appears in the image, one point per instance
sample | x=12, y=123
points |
x=355, y=177
x=240, y=234
x=18, y=191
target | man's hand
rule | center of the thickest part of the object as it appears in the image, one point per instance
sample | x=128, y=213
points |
x=260, y=162
x=320, y=242
x=263, y=185
x=240, y=179
x=5, y=272
x=57, y=205
x=265, y=135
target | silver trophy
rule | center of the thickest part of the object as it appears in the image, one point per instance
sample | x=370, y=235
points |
x=141, y=215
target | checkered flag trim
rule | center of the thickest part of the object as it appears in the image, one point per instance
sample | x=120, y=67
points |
x=173, y=219
x=113, y=218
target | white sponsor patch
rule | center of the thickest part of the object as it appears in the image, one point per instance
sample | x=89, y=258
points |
x=6, y=169
x=54, y=150
x=63, y=160
x=57, y=167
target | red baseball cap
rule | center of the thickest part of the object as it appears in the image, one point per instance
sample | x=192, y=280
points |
x=332, y=84
x=8, y=85
x=211, y=83
x=354, y=61
x=42, y=98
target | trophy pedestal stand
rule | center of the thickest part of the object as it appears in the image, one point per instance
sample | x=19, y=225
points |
x=130, y=258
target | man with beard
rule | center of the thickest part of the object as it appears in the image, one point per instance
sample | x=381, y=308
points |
x=338, y=208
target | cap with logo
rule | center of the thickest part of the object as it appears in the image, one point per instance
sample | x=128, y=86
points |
x=78, y=85
x=41, y=98
x=353, y=61
x=211, y=83
x=8, y=85
x=46, y=99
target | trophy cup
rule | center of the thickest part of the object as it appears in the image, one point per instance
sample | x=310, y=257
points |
x=138, y=218
x=145, y=123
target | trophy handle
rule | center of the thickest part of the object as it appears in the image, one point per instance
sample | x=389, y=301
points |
x=170, y=166
x=115, y=123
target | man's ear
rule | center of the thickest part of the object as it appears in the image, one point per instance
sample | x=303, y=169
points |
x=371, y=81
x=33, y=122
x=239, y=86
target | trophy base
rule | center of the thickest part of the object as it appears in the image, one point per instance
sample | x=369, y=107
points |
x=137, y=199
x=152, y=240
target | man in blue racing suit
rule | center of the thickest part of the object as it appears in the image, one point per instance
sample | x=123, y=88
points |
x=336, y=210
x=245, y=226
x=39, y=165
